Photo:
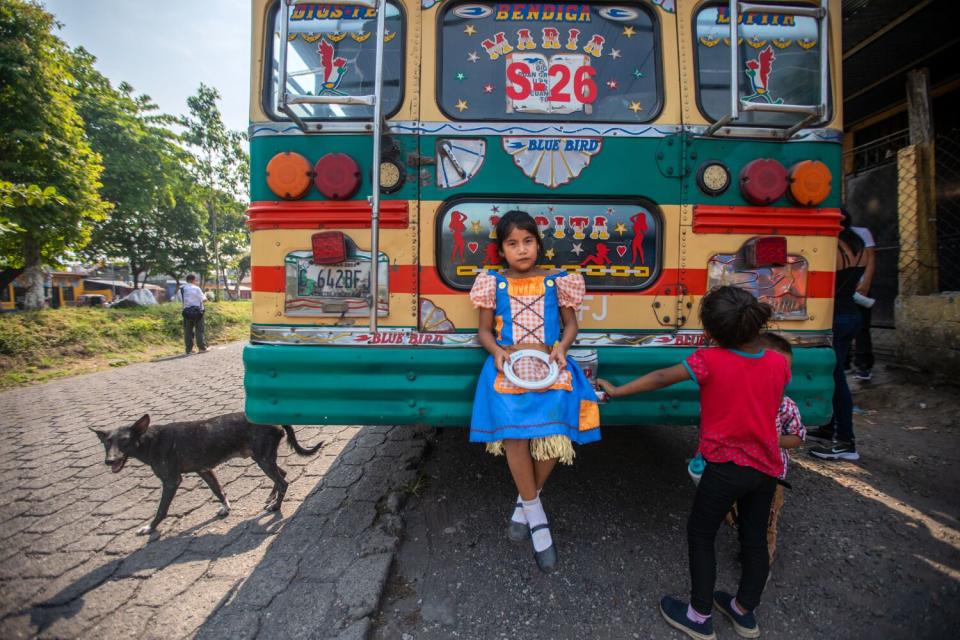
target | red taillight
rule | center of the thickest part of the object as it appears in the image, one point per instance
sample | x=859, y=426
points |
x=765, y=252
x=329, y=247
x=337, y=176
x=763, y=181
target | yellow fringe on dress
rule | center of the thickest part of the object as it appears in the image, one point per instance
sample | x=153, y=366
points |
x=541, y=449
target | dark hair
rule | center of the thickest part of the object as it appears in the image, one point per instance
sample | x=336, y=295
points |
x=191, y=278
x=848, y=235
x=517, y=219
x=776, y=342
x=732, y=316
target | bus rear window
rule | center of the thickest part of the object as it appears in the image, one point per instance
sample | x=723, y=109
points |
x=568, y=62
x=779, y=64
x=331, y=51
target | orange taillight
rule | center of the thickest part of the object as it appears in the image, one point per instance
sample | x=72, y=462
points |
x=810, y=182
x=288, y=175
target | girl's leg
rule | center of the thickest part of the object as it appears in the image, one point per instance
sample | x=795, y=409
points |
x=754, y=516
x=542, y=470
x=720, y=486
x=521, y=467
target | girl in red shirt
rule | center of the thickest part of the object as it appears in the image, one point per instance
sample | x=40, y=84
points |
x=741, y=386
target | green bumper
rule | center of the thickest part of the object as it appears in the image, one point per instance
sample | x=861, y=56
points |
x=434, y=386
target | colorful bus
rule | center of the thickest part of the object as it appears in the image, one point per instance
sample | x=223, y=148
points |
x=663, y=147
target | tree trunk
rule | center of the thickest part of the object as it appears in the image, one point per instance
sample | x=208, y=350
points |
x=241, y=274
x=32, y=275
x=218, y=269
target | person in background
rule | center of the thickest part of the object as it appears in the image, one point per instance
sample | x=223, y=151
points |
x=193, y=311
x=863, y=343
x=851, y=264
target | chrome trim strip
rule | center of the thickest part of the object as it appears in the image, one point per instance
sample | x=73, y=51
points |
x=261, y=129
x=404, y=337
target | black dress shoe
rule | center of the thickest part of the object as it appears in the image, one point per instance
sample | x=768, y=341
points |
x=546, y=559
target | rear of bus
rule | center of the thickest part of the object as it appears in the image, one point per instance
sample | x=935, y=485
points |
x=609, y=123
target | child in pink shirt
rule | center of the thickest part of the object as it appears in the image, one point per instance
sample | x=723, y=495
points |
x=741, y=386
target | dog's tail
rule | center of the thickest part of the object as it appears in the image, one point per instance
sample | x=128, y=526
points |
x=292, y=441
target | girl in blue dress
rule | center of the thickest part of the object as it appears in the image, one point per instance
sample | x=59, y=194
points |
x=525, y=307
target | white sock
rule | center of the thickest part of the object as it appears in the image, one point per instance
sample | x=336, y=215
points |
x=518, y=515
x=533, y=510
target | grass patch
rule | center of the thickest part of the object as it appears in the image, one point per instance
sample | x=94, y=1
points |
x=52, y=343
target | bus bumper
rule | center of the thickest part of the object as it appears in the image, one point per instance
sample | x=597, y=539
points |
x=303, y=385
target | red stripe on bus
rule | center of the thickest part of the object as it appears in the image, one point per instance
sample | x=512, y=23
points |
x=403, y=279
x=780, y=221
x=311, y=214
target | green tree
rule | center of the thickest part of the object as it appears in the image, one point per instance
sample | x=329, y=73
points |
x=221, y=168
x=42, y=143
x=143, y=165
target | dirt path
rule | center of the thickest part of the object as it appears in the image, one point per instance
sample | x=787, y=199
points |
x=867, y=550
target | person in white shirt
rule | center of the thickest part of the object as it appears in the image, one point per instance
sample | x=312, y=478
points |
x=193, y=310
x=863, y=359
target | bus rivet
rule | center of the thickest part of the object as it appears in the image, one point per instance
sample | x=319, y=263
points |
x=411, y=376
x=411, y=402
x=273, y=373
x=273, y=400
x=659, y=155
x=656, y=305
x=669, y=142
x=666, y=319
x=669, y=171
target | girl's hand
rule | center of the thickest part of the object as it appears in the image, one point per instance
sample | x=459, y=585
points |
x=559, y=355
x=499, y=358
x=608, y=388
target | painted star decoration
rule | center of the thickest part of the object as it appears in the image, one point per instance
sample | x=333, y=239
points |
x=613, y=84
x=577, y=248
x=472, y=56
x=635, y=106
x=461, y=76
x=615, y=53
x=476, y=227
x=620, y=228
x=470, y=30
x=629, y=31
x=462, y=105
x=637, y=74
x=549, y=253
x=488, y=88
x=494, y=209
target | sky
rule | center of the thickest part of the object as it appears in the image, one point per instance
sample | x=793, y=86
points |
x=166, y=49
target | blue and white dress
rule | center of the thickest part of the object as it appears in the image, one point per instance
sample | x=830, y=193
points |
x=527, y=311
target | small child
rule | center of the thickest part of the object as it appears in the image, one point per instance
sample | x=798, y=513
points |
x=741, y=387
x=792, y=434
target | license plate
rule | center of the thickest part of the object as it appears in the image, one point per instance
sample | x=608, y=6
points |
x=350, y=279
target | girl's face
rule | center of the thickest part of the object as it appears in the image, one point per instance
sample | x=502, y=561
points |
x=520, y=250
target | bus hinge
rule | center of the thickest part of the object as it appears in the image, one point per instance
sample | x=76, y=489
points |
x=670, y=160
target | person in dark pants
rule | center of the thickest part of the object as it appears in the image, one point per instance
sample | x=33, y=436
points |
x=863, y=359
x=851, y=264
x=741, y=388
x=193, y=311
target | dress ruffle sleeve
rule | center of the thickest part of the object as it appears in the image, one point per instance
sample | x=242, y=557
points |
x=483, y=294
x=570, y=290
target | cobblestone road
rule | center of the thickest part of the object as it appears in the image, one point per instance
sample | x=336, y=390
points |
x=71, y=564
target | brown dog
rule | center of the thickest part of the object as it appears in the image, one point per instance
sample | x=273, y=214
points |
x=197, y=447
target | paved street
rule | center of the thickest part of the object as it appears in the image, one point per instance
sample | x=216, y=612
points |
x=71, y=564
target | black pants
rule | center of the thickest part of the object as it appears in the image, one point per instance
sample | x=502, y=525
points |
x=720, y=487
x=863, y=343
x=191, y=326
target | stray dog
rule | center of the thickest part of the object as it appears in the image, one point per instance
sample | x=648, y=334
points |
x=197, y=447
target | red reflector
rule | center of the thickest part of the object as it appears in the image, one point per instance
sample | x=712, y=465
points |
x=766, y=252
x=337, y=176
x=763, y=181
x=329, y=247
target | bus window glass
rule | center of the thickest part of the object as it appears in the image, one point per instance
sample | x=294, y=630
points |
x=779, y=63
x=614, y=244
x=564, y=62
x=331, y=52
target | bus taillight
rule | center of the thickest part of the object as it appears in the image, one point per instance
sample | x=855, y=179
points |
x=809, y=182
x=767, y=251
x=763, y=181
x=337, y=176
